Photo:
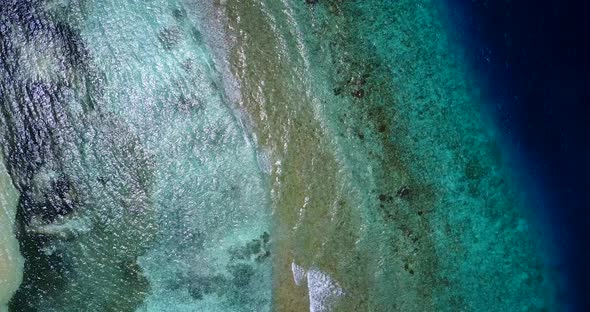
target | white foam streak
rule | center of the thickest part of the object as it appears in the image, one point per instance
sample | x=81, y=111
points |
x=324, y=292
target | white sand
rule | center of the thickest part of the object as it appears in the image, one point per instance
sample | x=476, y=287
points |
x=11, y=261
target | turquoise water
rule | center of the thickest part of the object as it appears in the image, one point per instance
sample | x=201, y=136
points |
x=209, y=189
x=160, y=110
x=179, y=155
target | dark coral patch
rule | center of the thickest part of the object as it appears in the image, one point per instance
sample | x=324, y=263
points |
x=358, y=93
x=169, y=37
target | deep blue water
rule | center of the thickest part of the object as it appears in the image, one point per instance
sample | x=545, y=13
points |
x=532, y=59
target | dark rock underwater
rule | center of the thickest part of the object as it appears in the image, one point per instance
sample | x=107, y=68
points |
x=84, y=214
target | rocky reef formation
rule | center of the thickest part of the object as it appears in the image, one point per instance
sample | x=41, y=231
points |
x=385, y=175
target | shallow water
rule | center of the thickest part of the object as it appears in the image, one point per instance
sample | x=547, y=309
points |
x=183, y=155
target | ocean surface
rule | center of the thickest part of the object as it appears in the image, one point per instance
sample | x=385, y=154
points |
x=290, y=155
x=534, y=65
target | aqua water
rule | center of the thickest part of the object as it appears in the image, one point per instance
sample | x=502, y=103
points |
x=180, y=155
